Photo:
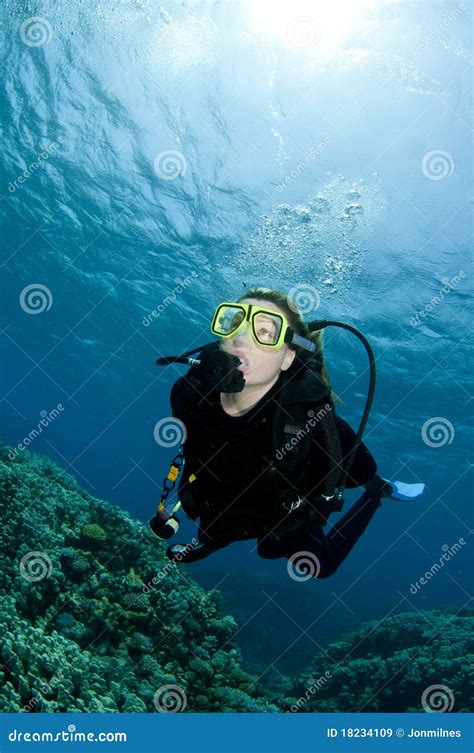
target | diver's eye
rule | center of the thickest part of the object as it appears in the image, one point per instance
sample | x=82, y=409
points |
x=264, y=333
x=266, y=329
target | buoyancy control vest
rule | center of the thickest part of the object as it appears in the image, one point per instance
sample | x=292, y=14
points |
x=304, y=402
x=304, y=405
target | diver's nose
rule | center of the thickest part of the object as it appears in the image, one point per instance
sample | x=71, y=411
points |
x=243, y=338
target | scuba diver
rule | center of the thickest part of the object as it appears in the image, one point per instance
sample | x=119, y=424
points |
x=266, y=457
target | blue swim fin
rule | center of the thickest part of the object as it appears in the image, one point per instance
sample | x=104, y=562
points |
x=397, y=490
x=404, y=492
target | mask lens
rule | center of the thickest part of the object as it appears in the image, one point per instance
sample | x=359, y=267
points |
x=228, y=320
x=267, y=328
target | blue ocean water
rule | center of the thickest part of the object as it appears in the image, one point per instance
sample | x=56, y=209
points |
x=157, y=159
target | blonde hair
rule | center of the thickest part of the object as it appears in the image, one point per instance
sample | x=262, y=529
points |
x=297, y=323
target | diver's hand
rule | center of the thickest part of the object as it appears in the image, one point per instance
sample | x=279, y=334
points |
x=217, y=372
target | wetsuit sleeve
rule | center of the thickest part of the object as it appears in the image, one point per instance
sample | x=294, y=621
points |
x=363, y=467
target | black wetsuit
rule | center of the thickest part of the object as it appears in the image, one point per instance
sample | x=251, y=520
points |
x=230, y=454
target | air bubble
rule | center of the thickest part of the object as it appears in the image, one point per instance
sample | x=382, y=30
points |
x=353, y=195
x=354, y=209
x=303, y=213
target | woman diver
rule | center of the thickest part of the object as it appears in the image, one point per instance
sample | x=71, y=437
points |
x=266, y=457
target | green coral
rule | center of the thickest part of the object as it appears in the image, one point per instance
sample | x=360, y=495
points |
x=240, y=701
x=386, y=666
x=75, y=563
x=110, y=622
x=139, y=644
x=93, y=536
x=136, y=602
x=133, y=581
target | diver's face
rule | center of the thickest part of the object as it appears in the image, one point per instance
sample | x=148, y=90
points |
x=260, y=365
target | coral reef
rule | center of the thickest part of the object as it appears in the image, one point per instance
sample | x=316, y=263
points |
x=387, y=666
x=96, y=618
